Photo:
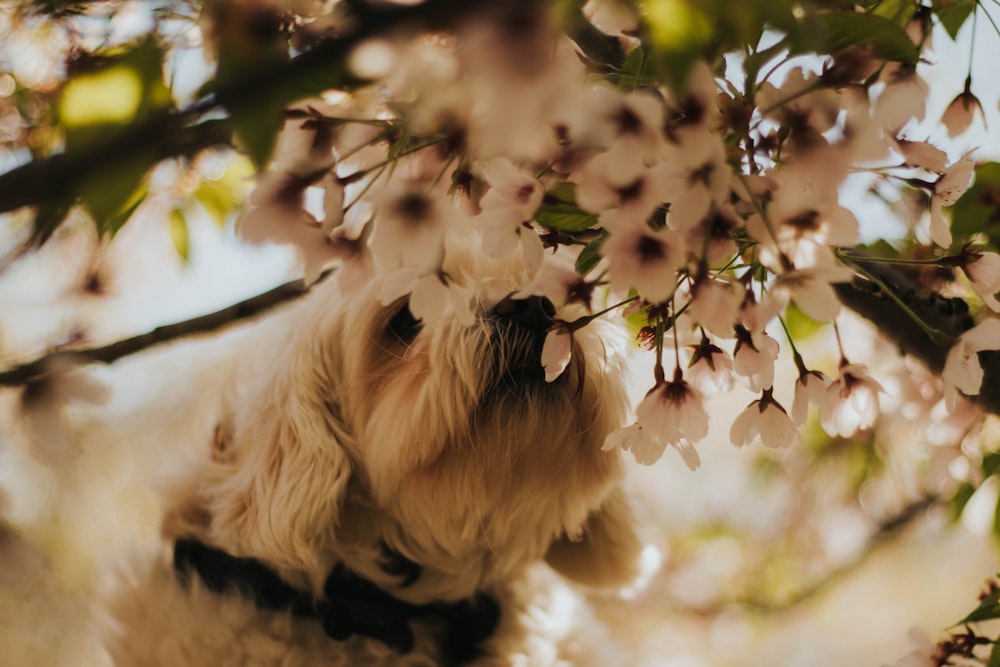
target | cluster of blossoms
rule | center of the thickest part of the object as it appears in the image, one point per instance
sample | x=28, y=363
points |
x=704, y=212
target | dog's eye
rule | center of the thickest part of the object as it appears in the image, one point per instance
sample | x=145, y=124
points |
x=403, y=326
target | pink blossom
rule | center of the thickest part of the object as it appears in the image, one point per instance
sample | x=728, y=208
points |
x=962, y=371
x=921, y=154
x=432, y=295
x=810, y=387
x=811, y=289
x=851, y=402
x=710, y=369
x=959, y=115
x=560, y=285
x=753, y=358
x=410, y=227
x=903, y=98
x=672, y=413
x=715, y=305
x=644, y=259
x=951, y=185
x=648, y=450
x=983, y=271
x=557, y=350
x=766, y=419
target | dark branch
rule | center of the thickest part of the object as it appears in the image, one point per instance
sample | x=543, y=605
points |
x=211, y=323
x=948, y=315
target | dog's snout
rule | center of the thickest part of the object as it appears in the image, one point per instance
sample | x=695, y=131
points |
x=533, y=312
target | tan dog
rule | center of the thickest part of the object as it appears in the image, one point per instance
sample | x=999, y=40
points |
x=398, y=484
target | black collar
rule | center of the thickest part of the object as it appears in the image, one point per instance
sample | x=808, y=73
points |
x=351, y=605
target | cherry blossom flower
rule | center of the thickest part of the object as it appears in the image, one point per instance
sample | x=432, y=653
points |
x=560, y=285
x=648, y=450
x=904, y=98
x=715, y=304
x=951, y=185
x=710, y=368
x=507, y=208
x=672, y=413
x=851, y=402
x=275, y=214
x=921, y=654
x=766, y=419
x=983, y=271
x=409, y=231
x=962, y=371
x=753, y=358
x=615, y=180
x=959, y=115
x=646, y=260
x=810, y=387
x=693, y=179
x=920, y=154
x=557, y=350
x=811, y=289
x=432, y=295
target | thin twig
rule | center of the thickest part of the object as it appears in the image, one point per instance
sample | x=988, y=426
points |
x=210, y=323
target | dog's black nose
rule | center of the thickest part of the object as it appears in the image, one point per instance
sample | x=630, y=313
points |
x=533, y=312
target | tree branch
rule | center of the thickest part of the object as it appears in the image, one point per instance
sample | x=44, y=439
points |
x=210, y=323
x=185, y=132
x=948, y=315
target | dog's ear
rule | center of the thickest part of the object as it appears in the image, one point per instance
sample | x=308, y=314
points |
x=607, y=552
x=277, y=493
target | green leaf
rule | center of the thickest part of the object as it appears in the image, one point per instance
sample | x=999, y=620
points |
x=953, y=14
x=635, y=70
x=117, y=90
x=179, y=234
x=223, y=196
x=978, y=210
x=679, y=34
x=112, y=192
x=590, y=255
x=559, y=210
x=800, y=326
x=963, y=494
x=898, y=11
x=988, y=609
x=564, y=217
x=115, y=221
x=994, y=656
x=832, y=32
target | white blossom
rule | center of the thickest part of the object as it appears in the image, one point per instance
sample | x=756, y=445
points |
x=983, y=271
x=557, y=350
x=753, y=359
x=962, y=371
x=946, y=191
x=764, y=419
x=810, y=387
x=644, y=259
x=851, y=402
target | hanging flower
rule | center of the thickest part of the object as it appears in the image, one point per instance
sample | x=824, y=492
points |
x=557, y=350
x=644, y=259
x=962, y=371
x=951, y=185
x=766, y=419
x=710, y=368
x=672, y=413
x=715, y=304
x=810, y=387
x=983, y=271
x=753, y=358
x=959, y=115
x=851, y=402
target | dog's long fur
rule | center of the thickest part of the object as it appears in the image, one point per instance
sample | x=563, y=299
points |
x=450, y=450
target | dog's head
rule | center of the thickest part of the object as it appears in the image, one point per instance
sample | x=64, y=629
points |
x=373, y=432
